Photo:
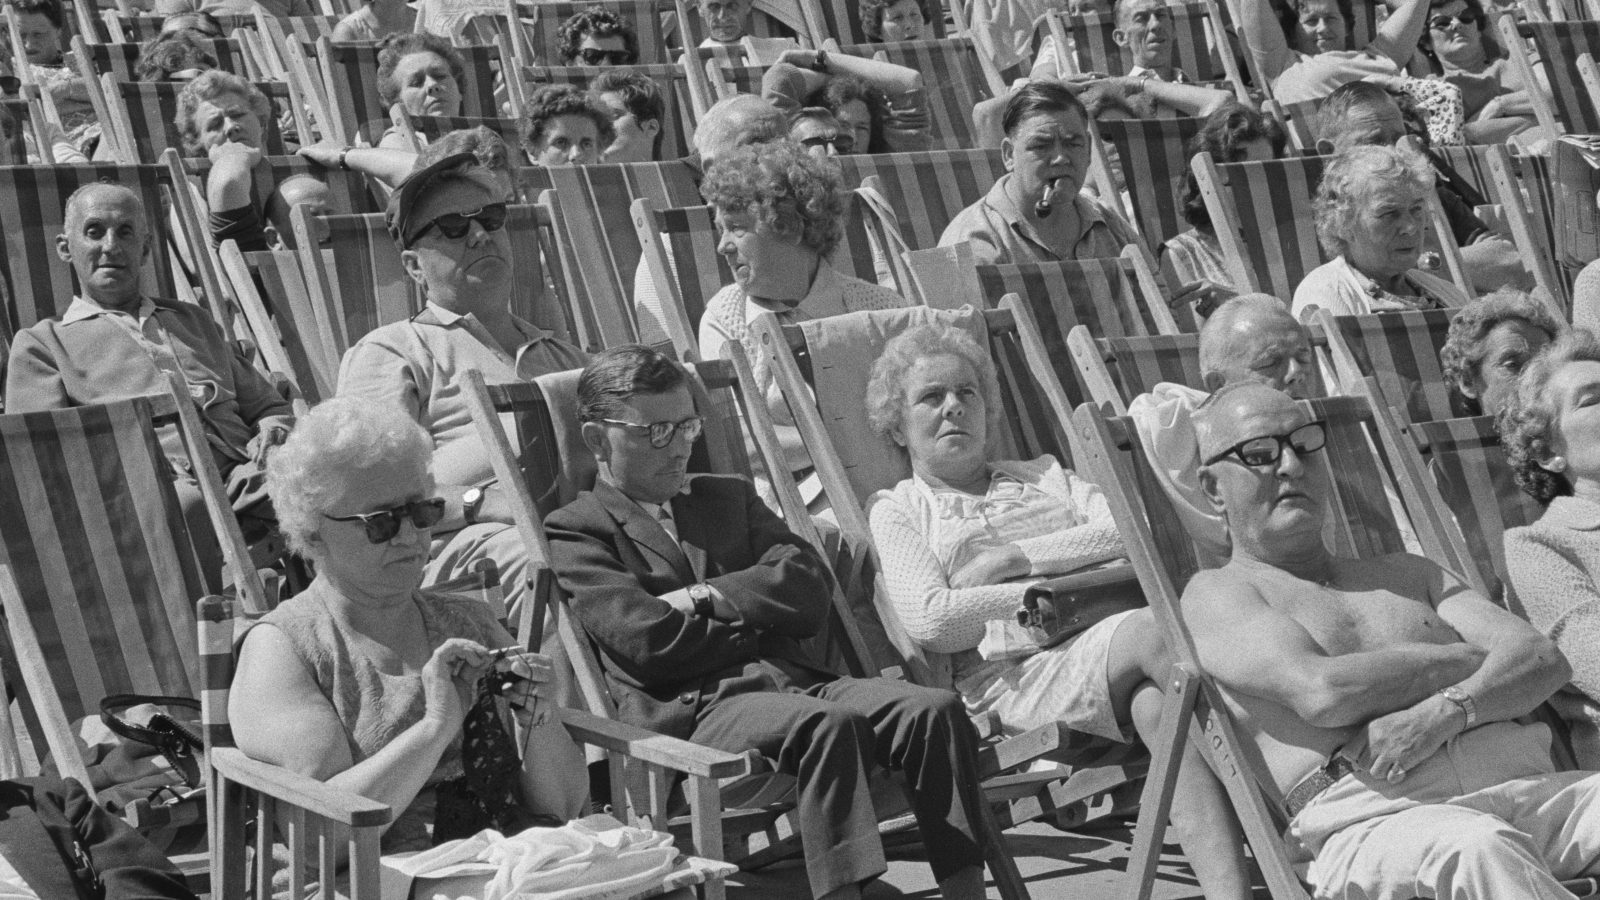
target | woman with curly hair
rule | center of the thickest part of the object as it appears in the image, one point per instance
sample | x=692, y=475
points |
x=597, y=37
x=1192, y=261
x=223, y=117
x=423, y=74
x=1551, y=430
x=779, y=214
x=884, y=21
x=564, y=127
x=1491, y=340
x=1372, y=217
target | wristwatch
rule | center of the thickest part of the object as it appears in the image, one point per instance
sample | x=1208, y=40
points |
x=471, y=502
x=700, y=594
x=1464, y=700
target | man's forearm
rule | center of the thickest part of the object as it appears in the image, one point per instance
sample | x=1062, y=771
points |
x=1358, y=687
x=1515, y=678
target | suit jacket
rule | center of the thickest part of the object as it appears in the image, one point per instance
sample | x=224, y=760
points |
x=65, y=845
x=663, y=665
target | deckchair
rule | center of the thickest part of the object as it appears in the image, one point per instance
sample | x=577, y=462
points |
x=1114, y=297
x=350, y=76
x=141, y=27
x=927, y=189
x=1400, y=352
x=143, y=114
x=555, y=463
x=285, y=333
x=14, y=146
x=1259, y=210
x=538, y=38
x=677, y=123
x=1559, y=71
x=952, y=79
x=40, y=283
x=257, y=803
x=1153, y=155
x=821, y=367
x=428, y=129
x=120, y=59
x=841, y=20
x=718, y=72
x=357, y=283
x=276, y=35
x=680, y=246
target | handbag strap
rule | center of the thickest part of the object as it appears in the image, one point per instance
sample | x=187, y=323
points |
x=170, y=734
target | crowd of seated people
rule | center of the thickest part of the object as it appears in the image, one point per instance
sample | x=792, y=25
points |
x=1385, y=700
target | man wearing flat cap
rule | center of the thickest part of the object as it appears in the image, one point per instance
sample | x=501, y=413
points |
x=449, y=220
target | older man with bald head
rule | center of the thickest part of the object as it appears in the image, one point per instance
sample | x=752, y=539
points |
x=112, y=342
x=1379, y=693
x=1250, y=338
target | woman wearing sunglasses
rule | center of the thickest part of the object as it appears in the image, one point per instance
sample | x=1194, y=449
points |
x=597, y=37
x=449, y=221
x=1460, y=45
x=962, y=540
x=364, y=681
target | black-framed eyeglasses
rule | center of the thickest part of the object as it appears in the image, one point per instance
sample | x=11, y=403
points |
x=1268, y=449
x=1465, y=17
x=456, y=225
x=594, y=56
x=382, y=525
x=662, y=433
x=842, y=143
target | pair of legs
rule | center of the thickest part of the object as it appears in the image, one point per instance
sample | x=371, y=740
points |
x=1212, y=839
x=830, y=738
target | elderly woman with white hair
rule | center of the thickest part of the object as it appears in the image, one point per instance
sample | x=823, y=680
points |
x=366, y=682
x=1372, y=217
x=962, y=540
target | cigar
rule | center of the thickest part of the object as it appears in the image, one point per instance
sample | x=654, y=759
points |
x=1042, y=207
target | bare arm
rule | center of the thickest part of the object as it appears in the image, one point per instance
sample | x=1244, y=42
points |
x=1254, y=649
x=1398, y=36
x=1190, y=99
x=389, y=166
x=1263, y=37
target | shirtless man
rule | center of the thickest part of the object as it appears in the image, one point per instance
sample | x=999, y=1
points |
x=1380, y=692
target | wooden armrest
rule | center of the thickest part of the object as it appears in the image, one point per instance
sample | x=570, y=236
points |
x=656, y=749
x=305, y=792
x=1120, y=572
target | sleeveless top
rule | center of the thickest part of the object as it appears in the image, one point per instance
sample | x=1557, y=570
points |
x=375, y=707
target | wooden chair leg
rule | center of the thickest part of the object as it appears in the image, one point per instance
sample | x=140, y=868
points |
x=1007, y=878
x=1155, y=804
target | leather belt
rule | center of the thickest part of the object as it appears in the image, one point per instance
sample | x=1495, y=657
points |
x=1311, y=786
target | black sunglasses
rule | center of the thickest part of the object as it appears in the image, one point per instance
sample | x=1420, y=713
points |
x=594, y=56
x=1465, y=17
x=662, y=433
x=1268, y=449
x=456, y=225
x=384, y=524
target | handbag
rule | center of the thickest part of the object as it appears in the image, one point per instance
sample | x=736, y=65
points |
x=177, y=742
x=1066, y=606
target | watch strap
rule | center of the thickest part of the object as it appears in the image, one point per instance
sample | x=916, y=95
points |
x=1462, y=699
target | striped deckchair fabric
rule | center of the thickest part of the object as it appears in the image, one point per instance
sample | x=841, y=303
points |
x=1104, y=294
x=1401, y=351
x=430, y=128
x=1529, y=176
x=539, y=28
x=146, y=111
x=40, y=283
x=1557, y=46
x=1469, y=465
x=351, y=74
x=137, y=29
x=841, y=20
x=677, y=125
x=120, y=59
x=599, y=245
x=1118, y=369
x=1154, y=157
x=1097, y=51
x=927, y=189
x=357, y=282
x=952, y=79
x=13, y=142
x=728, y=71
x=1259, y=210
x=284, y=324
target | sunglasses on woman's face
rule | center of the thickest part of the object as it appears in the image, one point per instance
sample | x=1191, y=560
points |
x=456, y=225
x=1465, y=17
x=594, y=56
x=384, y=524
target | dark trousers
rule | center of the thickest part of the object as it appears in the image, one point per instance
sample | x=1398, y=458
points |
x=829, y=737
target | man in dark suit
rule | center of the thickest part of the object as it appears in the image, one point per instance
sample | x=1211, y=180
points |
x=697, y=596
x=58, y=843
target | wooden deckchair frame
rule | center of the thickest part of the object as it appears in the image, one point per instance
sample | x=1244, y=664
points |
x=926, y=189
x=1569, y=114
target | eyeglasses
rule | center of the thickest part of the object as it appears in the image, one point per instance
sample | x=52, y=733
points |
x=1268, y=449
x=456, y=225
x=1465, y=17
x=842, y=143
x=662, y=433
x=384, y=524
x=594, y=56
